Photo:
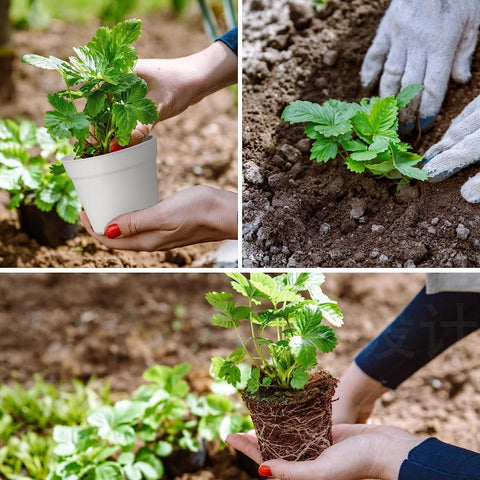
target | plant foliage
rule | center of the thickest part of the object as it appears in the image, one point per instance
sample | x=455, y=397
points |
x=365, y=134
x=26, y=153
x=297, y=324
x=113, y=96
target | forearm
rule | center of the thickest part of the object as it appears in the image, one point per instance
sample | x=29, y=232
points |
x=425, y=328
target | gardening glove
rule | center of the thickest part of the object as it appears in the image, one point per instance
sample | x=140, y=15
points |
x=423, y=42
x=195, y=215
x=459, y=148
x=359, y=452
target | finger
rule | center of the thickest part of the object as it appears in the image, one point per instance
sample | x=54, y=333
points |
x=133, y=223
x=393, y=71
x=471, y=189
x=461, y=155
x=435, y=87
x=414, y=74
x=461, y=71
x=247, y=444
x=374, y=60
x=460, y=127
x=139, y=134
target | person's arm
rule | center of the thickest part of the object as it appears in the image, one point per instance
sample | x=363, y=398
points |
x=423, y=42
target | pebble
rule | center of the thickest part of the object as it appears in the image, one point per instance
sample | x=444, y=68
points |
x=432, y=230
x=410, y=264
x=292, y=263
x=358, y=208
x=374, y=254
x=285, y=250
x=330, y=58
x=460, y=261
x=304, y=145
x=462, y=232
x=291, y=153
x=378, y=228
x=325, y=228
x=383, y=259
x=435, y=221
x=251, y=172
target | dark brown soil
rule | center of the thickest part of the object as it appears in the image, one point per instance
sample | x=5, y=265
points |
x=116, y=325
x=301, y=214
x=294, y=425
x=198, y=147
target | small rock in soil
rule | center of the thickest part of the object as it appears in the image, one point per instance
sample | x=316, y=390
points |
x=418, y=251
x=286, y=250
x=435, y=221
x=336, y=254
x=462, y=232
x=460, y=261
x=304, y=145
x=383, y=259
x=330, y=58
x=410, y=264
x=291, y=153
x=325, y=228
x=432, y=230
x=358, y=208
x=276, y=180
x=374, y=254
x=250, y=228
x=252, y=173
x=378, y=228
x=301, y=13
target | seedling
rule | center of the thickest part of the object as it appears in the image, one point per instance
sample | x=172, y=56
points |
x=364, y=134
x=288, y=402
x=102, y=75
x=26, y=153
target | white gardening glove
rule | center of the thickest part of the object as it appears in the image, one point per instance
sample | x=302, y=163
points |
x=459, y=148
x=422, y=41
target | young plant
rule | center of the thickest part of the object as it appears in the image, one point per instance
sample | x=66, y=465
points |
x=26, y=153
x=113, y=96
x=286, y=330
x=364, y=134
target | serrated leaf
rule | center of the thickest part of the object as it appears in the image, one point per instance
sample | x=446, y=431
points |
x=407, y=94
x=68, y=209
x=323, y=150
x=363, y=156
x=406, y=162
x=221, y=320
x=47, y=63
x=253, y=383
x=299, y=379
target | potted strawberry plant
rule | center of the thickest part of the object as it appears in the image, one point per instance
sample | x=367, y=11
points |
x=109, y=180
x=290, y=403
x=47, y=205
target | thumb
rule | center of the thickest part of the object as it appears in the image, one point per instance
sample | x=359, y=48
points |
x=132, y=223
x=289, y=470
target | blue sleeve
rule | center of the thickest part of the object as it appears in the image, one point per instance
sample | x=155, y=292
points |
x=230, y=39
x=426, y=327
x=435, y=460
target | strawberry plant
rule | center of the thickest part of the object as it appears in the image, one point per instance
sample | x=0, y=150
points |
x=100, y=76
x=26, y=153
x=364, y=134
x=288, y=401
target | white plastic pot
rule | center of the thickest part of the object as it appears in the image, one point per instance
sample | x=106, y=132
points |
x=115, y=183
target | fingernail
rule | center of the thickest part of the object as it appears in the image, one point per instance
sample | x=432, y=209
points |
x=264, y=471
x=113, y=231
x=427, y=123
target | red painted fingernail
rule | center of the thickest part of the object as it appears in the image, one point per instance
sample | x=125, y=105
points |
x=264, y=471
x=113, y=231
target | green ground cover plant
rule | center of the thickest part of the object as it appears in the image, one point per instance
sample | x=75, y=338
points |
x=364, y=134
x=114, y=95
x=26, y=154
x=286, y=329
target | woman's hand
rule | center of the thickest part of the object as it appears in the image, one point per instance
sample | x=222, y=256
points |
x=195, y=215
x=358, y=452
x=175, y=84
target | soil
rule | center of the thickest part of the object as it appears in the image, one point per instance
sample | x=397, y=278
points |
x=294, y=425
x=198, y=147
x=116, y=325
x=298, y=213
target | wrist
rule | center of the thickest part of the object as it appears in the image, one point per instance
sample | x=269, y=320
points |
x=223, y=214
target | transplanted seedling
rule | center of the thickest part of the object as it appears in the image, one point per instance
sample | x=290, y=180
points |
x=364, y=134
x=115, y=96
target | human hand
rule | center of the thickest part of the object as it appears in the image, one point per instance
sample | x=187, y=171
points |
x=356, y=393
x=459, y=148
x=358, y=452
x=195, y=215
x=422, y=41
x=175, y=84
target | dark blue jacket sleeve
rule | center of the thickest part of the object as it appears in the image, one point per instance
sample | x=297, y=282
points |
x=426, y=327
x=435, y=460
x=230, y=39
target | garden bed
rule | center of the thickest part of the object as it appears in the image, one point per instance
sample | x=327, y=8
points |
x=298, y=213
x=114, y=326
x=198, y=147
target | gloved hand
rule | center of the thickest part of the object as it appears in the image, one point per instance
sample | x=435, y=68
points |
x=459, y=148
x=422, y=41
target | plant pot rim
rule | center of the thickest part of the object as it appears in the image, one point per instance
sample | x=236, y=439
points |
x=70, y=158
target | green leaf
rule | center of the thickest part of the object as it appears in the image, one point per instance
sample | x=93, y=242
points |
x=163, y=449
x=108, y=471
x=253, y=383
x=332, y=313
x=406, y=162
x=407, y=94
x=299, y=379
x=47, y=63
x=64, y=122
x=95, y=103
x=230, y=373
x=323, y=150
x=363, y=156
x=68, y=209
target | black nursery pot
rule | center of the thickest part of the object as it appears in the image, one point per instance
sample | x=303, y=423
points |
x=45, y=227
x=184, y=461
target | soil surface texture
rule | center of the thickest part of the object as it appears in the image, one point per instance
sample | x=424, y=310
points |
x=298, y=213
x=116, y=325
x=198, y=147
